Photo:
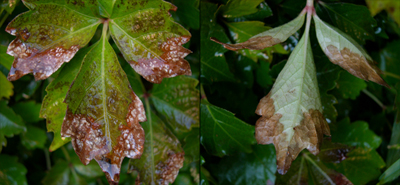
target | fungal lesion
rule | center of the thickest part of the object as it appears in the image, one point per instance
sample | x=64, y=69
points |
x=256, y=43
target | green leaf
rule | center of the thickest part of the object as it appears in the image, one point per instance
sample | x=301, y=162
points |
x=188, y=13
x=263, y=77
x=213, y=64
x=149, y=39
x=342, y=50
x=226, y=134
x=270, y=37
x=307, y=170
x=293, y=108
x=134, y=79
x=394, y=144
x=5, y=59
x=64, y=27
x=106, y=7
x=355, y=134
x=238, y=8
x=6, y=87
x=163, y=155
x=389, y=60
x=191, y=146
x=59, y=174
x=11, y=171
x=53, y=106
x=33, y=138
x=178, y=100
x=8, y=5
x=360, y=166
x=240, y=168
x=242, y=31
x=353, y=19
x=11, y=123
x=29, y=111
x=327, y=73
x=329, y=111
x=103, y=112
x=349, y=86
x=392, y=173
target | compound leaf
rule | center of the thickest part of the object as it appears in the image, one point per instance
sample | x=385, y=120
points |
x=149, y=39
x=292, y=112
x=103, y=112
x=178, y=100
x=49, y=35
x=163, y=155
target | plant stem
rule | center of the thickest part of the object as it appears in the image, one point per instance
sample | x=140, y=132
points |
x=391, y=74
x=373, y=97
x=105, y=28
x=65, y=152
x=48, y=163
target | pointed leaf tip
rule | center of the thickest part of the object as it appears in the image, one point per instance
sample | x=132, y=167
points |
x=268, y=38
x=344, y=51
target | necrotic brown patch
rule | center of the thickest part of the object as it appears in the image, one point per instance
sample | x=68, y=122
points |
x=355, y=64
x=42, y=64
x=256, y=43
x=168, y=170
x=171, y=63
x=308, y=134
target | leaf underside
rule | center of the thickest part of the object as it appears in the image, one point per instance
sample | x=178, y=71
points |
x=268, y=38
x=344, y=51
x=292, y=113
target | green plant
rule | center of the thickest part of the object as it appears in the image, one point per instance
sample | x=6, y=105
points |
x=292, y=113
x=103, y=94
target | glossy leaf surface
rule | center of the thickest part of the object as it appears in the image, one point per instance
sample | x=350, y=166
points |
x=103, y=113
x=225, y=133
x=149, y=39
x=162, y=156
x=349, y=86
x=237, y=8
x=292, y=112
x=178, y=100
x=49, y=35
x=12, y=172
x=53, y=106
x=391, y=173
x=342, y=50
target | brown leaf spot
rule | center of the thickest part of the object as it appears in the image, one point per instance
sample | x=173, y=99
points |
x=169, y=64
x=308, y=134
x=168, y=170
x=90, y=142
x=29, y=59
x=256, y=43
x=355, y=64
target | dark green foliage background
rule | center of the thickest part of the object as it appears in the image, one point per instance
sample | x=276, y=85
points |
x=236, y=81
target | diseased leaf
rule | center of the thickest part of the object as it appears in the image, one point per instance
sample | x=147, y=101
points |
x=237, y=8
x=103, y=112
x=106, y=7
x=33, y=138
x=53, y=106
x=353, y=19
x=163, y=155
x=10, y=123
x=178, y=100
x=350, y=86
x=342, y=50
x=11, y=171
x=292, y=112
x=269, y=37
x=6, y=87
x=391, y=7
x=226, y=134
x=49, y=35
x=307, y=170
x=239, y=168
x=213, y=63
x=149, y=39
x=333, y=152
